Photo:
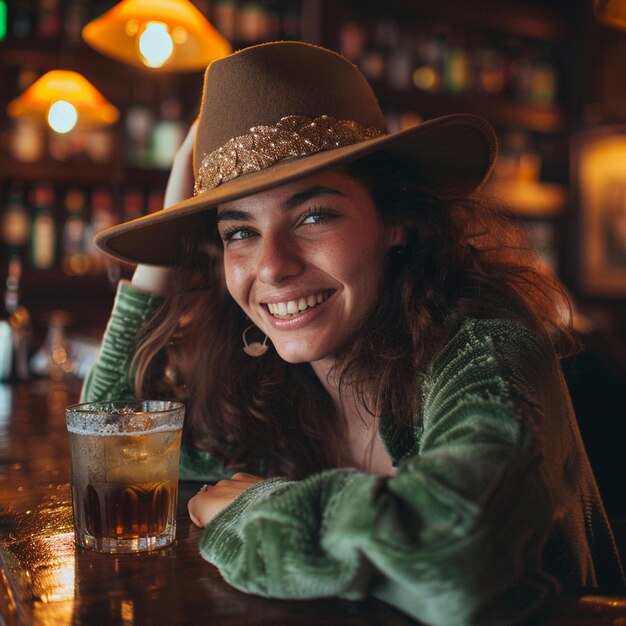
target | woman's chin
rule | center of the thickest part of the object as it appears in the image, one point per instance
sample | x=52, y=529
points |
x=299, y=354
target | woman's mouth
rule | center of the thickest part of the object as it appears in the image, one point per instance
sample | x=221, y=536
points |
x=291, y=308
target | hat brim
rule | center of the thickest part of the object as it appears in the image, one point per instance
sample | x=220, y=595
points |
x=455, y=153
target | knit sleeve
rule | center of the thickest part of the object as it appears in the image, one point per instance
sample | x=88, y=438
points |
x=109, y=379
x=454, y=538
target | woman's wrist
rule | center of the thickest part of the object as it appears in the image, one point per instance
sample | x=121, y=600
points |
x=153, y=279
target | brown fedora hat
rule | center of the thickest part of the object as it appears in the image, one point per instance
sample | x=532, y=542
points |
x=277, y=112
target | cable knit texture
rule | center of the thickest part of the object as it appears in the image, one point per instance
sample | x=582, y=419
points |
x=493, y=508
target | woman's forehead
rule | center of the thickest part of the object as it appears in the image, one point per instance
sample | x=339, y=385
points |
x=291, y=194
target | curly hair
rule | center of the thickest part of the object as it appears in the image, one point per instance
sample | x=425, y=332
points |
x=463, y=257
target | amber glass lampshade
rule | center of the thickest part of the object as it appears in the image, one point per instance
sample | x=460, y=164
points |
x=170, y=35
x=63, y=99
x=611, y=12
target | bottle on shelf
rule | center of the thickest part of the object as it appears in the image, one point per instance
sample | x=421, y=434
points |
x=490, y=69
x=15, y=327
x=43, y=232
x=59, y=364
x=74, y=259
x=543, y=81
x=456, y=66
x=253, y=22
x=374, y=63
x=22, y=18
x=133, y=204
x=74, y=19
x=15, y=221
x=225, y=17
x=427, y=75
x=49, y=18
x=103, y=216
x=400, y=63
x=352, y=40
x=138, y=123
x=168, y=133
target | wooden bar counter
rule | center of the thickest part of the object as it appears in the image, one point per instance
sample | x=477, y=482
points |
x=46, y=580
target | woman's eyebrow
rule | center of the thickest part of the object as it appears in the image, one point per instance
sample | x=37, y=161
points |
x=232, y=215
x=303, y=196
x=287, y=205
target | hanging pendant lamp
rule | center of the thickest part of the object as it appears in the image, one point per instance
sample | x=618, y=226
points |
x=64, y=99
x=611, y=12
x=170, y=35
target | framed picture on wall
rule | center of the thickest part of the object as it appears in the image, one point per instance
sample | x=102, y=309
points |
x=599, y=178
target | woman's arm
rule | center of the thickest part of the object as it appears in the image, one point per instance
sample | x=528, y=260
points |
x=154, y=279
x=135, y=303
x=457, y=536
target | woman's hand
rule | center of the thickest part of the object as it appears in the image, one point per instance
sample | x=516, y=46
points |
x=180, y=182
x=212, y=499
x=158, y=280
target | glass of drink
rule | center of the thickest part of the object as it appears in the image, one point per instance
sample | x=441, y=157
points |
x=124, y=457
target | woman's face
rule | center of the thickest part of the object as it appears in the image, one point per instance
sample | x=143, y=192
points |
x=304, y=262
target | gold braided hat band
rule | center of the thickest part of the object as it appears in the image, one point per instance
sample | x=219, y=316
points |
x=291, y=137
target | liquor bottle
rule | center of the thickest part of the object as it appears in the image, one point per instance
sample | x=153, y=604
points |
x=543, y=82
x=133, y=204
x=352, y=41
x=374, y=61
x=225, y=17
x=138, y=122
x=43, y=234
x=22, y=18
x=103, y=216
x=168, y=134
x=27, y=137
x=400, y=64
x=74, y=20
x=428, y=69
x=15, y=327
x=455, y=65
x=49, y=18
x=15, y=221
x=74, y=259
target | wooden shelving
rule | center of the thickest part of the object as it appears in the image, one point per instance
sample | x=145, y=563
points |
x=499, y=110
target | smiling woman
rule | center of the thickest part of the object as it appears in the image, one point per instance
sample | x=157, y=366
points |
x=407, y=433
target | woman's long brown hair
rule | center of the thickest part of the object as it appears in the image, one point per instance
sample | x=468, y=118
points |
x=463, y=258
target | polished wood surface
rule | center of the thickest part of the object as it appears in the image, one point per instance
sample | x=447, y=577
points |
x=46, y=580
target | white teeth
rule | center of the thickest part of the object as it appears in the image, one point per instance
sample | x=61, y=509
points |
x=295, y=306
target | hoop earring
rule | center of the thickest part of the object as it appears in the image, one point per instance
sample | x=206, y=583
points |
x=255, y=348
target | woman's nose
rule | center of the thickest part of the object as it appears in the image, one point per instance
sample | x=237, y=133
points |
x=278, y=259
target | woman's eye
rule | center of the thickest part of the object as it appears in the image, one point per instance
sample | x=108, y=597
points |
x=236, y=234
x=316, y=216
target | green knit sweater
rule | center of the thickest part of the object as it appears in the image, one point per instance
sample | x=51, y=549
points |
x=494, y=506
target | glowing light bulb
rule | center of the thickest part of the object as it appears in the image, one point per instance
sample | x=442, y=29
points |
x=62, y=116
x=155, y=44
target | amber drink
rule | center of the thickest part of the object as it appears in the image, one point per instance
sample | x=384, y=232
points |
x=124, y=458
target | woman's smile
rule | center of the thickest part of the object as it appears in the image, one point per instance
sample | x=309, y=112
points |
x=304, y=261
x=292, y=308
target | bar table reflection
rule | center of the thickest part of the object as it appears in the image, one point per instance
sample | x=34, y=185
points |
x=47, y=580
